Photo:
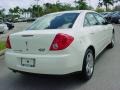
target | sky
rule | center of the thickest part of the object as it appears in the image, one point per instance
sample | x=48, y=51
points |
x=27, y=3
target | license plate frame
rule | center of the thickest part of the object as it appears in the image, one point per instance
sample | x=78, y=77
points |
x=28, y=62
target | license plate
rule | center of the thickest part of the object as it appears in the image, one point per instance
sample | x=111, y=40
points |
x=28, y=62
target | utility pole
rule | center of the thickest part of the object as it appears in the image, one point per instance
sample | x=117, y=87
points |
x=37, y=3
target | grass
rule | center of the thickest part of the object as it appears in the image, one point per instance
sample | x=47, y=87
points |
x=2, y=45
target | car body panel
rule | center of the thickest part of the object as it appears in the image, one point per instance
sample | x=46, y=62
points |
x=9, y=25
x=62, y=61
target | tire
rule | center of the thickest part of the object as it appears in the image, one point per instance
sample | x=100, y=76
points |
x=88, y=65
x=112, y=44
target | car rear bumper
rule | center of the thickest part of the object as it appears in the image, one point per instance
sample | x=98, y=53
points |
x=45, y=64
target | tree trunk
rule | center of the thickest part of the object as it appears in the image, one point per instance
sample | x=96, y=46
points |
x=106, y=6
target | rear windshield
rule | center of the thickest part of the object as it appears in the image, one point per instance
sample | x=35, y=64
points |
x=54, y=21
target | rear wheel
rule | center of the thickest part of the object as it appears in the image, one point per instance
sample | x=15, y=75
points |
x=88, y=65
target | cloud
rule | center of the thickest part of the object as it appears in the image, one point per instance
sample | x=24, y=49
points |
x=12, y=3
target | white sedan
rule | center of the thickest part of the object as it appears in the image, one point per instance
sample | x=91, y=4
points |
x=60, y=43
x=3, y=28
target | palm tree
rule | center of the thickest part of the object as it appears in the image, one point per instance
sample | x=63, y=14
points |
x=81, y=4
x=106, y=3
x=17, y=10
x=2, y=12
x=11, y=11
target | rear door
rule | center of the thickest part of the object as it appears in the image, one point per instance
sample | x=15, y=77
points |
x=94, y=31
x=106, y=29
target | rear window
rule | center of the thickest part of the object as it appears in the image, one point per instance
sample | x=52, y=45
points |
x=54, y=21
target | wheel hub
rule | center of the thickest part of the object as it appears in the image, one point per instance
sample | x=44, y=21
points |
x=90, y=63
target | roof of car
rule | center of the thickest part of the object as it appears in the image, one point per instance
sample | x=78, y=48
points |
x=73, y=11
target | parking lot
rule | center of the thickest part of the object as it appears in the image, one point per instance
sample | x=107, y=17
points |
x=106, y=75
x=18, y=27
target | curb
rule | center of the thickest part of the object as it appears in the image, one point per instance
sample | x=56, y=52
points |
x=2, y=52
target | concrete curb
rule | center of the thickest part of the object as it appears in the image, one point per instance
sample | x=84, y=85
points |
x=2, y=52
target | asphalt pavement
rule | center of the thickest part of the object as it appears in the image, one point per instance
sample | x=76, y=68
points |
x=106, y=75
x=18, y=27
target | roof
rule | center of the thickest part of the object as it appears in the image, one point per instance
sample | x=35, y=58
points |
x=73, y=11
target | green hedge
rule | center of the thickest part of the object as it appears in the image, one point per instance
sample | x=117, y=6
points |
x=2, y=45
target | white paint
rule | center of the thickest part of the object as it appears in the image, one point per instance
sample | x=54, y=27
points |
x=57, y=62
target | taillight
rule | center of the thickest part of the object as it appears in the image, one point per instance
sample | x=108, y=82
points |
x=61, y=41
x=8, y=45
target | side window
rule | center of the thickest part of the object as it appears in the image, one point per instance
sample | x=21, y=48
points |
x=86, y=23
x=91, y=19
x=99, y=18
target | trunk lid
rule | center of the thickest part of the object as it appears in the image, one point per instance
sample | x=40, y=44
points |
x=34, y=41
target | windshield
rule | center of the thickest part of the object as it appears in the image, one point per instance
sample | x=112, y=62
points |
x=54, y=21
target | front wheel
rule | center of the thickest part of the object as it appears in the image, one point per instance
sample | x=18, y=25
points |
x=88, y=65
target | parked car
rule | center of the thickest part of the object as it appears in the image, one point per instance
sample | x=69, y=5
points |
x=105, y=14
x=60, y=43
x=21, y=20
x=109, y=16
x=31, y=19
x=3, y=28
x=9, y=25
x=116, y=18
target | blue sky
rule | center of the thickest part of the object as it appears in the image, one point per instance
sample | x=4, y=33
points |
x=26, y=3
